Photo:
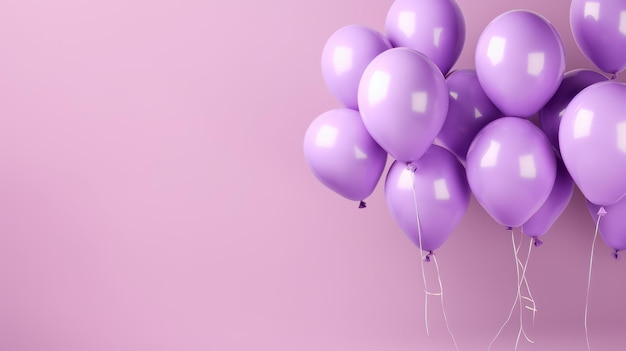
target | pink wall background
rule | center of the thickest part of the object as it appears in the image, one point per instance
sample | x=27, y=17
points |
x=154, y=194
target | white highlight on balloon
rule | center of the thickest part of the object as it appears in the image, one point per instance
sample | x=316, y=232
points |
x=527, y=167
x=477, y=113
x=377, y=90
x=326, y=136
x=495, y=50
x=441, y=189
x=621, y=136
x=536, y=62
x=582, y=123
x=406, y=23
x=490, y=158
x=342, y=59
x=437, y=36
x=405, y=181
x=622, y=22
x=454, y=95
x=592, y=9
x=419, y=101
x=359, y=154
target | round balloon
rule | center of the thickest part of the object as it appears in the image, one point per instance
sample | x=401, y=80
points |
x=557, y=201
x=511, y=169
x=435, y=28
x=437, y=184
x=599, y=29
x=346, y=54
x=342, y=155
x=469, y=111
x=520, y=61
x=612, y=226
x=550, y=115
x=403, y=99
x=592, y=138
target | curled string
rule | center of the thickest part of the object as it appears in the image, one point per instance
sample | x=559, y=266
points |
x=443, y=310
x=601, y=213
x=411, y=168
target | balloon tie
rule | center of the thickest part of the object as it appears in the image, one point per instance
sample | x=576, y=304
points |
x=362, y=204
x=616, y=255
x=537, y=242
x=601, y=213
x=412, y=168
x=613, y=76
x=443, y=309
x=428, y=256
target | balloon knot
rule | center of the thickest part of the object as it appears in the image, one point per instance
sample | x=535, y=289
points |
x=411, y=167
x=509, y=228
x=362, y=204
x=537, y=242
x=614, y=76
x=601, y=211
x=428, y=255
x=616, y=255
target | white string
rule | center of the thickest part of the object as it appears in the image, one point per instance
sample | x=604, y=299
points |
x=519, y=294
x=530, y=297
x=593, y=245
x=419, y=236
x=445, y=317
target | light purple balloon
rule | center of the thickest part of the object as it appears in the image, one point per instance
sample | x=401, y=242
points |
x=346, y=54
x=557, y=202
x=403, y=99
x=511, y=169
x=468, y=112
x=520, y=61
x=612, y=226
x=573, y=83
x=599, y=29
x=441, y=193
x=592, y=137
x=342, y=155
x=435, y=28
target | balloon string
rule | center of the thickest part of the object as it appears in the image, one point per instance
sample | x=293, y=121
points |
x=443, y=310
x=601, y=213
x=419, y=237
x=519, y=293
x=530, y=297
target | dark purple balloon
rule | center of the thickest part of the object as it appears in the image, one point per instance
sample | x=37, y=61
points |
x=612, y=225
x=557, y=202
x=469, y=111
x=342, y=155
x=441, y=191
x=346, y=54
x=573, y=83
x=511, y=169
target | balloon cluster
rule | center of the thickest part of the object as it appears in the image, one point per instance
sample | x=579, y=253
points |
x=469, y=131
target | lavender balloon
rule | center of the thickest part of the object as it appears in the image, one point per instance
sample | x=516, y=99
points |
x=435, y=28
x=342, y=155
x=592, y=137
x=441, y=192
x=520, y=61
x=469, y=111
x=403, y=99
x=599, y=29
x=557, y=202
x=511, y=169
x=550, y=115
x=344, y=58
x=612, y=227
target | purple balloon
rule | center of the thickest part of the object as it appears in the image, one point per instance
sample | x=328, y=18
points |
x=403, y=99
x=573, y=83
x=520, y=61
x=441, y=193
x=599, y=29
x=511, y=169
x=469, y=111
x=592, y=136
x=435, y=28
x=557, y=202
x=344, y=58
x=342, y=155
x=612, y=227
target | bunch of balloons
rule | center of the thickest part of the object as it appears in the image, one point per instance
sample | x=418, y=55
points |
x=469, y=131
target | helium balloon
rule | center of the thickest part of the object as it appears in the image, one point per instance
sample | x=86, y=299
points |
x=437, y=184
x=344, y=58
x=511, y=169
x=469, y=111
x=520, y=61
x=403, y=100
x=342, y=155
x=592, y=138
x=612, y=226
x=435, y=28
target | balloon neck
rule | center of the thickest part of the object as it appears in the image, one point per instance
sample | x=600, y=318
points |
x=601, y=211
x=362, y=204
x=428, y=255
x=613, y=76
x=616, y=255
x=509, y=228
x=537, y=242
x=411, y=167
